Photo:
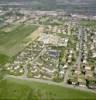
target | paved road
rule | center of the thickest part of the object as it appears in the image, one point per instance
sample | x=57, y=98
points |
x=78, y=62
x=67, y=74
x=49, y=83
x=86, y=36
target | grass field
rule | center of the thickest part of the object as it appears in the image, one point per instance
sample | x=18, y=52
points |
x=29, y=90
x=3, y=59
x=88, y=23
x=12, y=39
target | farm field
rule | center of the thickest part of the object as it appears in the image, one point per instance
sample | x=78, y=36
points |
x=13, y=38
x=29, y=90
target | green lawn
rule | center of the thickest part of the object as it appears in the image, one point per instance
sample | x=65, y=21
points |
x=14, y=89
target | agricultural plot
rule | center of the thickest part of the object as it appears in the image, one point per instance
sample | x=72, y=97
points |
x=12, y=40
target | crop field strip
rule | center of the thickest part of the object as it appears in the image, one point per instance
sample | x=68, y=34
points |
x=15, y=39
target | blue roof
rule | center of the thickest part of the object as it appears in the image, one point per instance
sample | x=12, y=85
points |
x=53, y=53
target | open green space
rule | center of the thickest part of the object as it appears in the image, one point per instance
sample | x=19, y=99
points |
x=88, y=23
x=15, y=89
x=13, y=41
x=3, y=59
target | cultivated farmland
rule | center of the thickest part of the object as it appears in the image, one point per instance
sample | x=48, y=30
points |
x=13, y=38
